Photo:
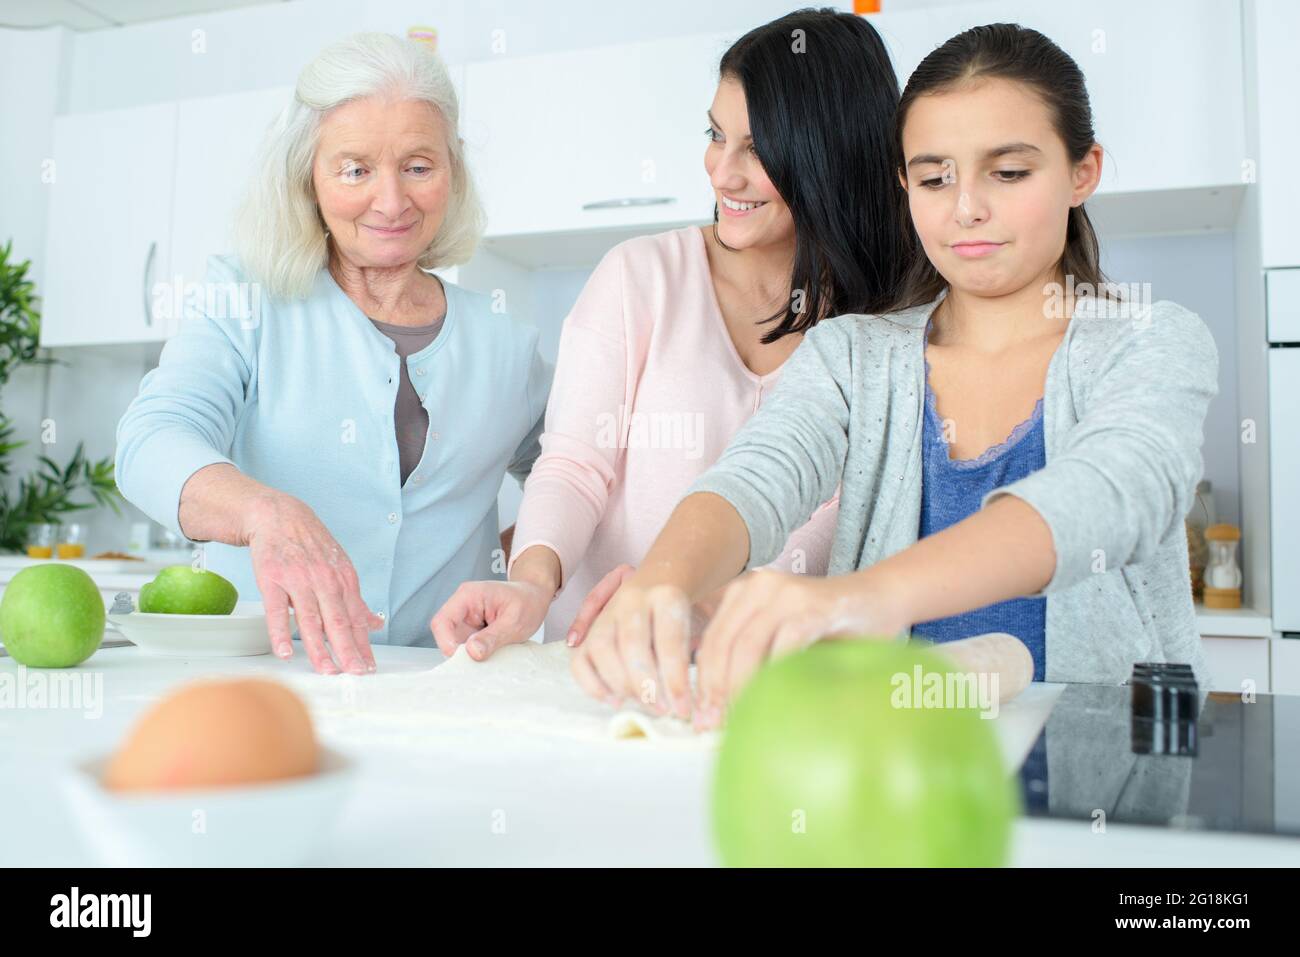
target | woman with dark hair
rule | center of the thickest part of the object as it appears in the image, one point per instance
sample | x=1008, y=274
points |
x=678, y=338
x=1017, y=448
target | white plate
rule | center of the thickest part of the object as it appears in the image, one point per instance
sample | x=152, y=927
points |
x=277, y=824
x=242, y=632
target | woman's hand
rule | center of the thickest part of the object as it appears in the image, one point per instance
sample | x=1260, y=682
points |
x=767, y=613
x=639, y=648
x=595, y=603
x=297, y=562
x=606, y=588
x=486, y=615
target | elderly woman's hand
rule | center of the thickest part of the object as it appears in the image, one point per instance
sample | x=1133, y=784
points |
x=297, y=562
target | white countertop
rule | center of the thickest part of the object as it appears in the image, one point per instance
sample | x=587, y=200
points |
x=561, y=802
x=110, y=574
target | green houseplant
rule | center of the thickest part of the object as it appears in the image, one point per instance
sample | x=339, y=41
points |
x=52, y=490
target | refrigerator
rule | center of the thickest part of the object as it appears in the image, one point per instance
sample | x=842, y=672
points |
x=1283, y=304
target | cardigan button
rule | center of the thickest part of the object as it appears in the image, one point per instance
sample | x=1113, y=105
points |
x=392, y=518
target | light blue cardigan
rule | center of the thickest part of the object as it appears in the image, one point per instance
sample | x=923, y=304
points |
x=299, y=395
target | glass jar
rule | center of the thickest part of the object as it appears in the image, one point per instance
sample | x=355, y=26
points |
x=40, y=539
x=72, y=541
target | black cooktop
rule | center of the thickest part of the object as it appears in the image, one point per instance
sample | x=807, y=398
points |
x=1243, y=776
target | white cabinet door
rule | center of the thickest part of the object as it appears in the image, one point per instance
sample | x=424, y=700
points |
x=1286, y=667
x=1277, y=26
x=593, y=139
x=1238, y=664
x=1164, y=78
x=109, y=227
x=1284, y=481
x=1282, y=295
x=217, y=142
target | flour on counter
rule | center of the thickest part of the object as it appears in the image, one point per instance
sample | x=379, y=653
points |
x=523, y=689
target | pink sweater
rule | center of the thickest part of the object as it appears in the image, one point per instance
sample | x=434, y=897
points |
x=648, y=392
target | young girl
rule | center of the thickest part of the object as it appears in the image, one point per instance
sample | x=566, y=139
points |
x=1017, y=448
x=678, y=338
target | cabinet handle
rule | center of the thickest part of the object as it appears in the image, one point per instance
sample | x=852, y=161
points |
x=148, y=270
x=627, y=201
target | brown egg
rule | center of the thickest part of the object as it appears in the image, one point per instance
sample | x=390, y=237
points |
x=215, y=734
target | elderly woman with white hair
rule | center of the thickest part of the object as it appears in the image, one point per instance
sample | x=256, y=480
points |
x=336, y=422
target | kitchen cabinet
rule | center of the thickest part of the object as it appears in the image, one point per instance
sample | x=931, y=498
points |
x=1282, y=302
x=1233, y=661
x=109, y=234
x=1164, y=78
x=1277, y=78
x=216, y=145
x=594, y=139
x=142, y=198
x=1284, y=466
x=623, y=153
x=1286, y=666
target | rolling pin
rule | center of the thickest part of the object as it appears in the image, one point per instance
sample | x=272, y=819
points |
x=994, y=653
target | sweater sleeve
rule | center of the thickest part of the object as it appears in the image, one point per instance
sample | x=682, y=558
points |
x=1127, y=471
x=183, y=418
x=808, y=550
x=536, y=391
x=568, y=489
x=788, y=459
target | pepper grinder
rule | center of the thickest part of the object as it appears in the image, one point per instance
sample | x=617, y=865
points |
x=1222, y=574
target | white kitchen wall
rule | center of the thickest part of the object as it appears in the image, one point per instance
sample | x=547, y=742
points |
x=30, y=62
x=552, y=296
x=1197, y=272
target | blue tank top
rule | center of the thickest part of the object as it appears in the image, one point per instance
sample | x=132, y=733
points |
x=952, y=490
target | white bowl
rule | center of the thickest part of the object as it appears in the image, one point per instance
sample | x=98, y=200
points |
x=277, y=824
x=242, y=632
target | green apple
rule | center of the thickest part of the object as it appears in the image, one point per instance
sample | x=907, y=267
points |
x=51, y=616
x=182, y=590
x=824, y=763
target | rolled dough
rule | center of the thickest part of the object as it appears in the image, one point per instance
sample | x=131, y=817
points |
x=525, y=688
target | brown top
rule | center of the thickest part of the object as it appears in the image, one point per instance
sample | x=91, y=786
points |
x=409, y=414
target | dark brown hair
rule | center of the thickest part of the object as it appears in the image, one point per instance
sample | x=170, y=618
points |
x=821, y=93
x=1011, y=52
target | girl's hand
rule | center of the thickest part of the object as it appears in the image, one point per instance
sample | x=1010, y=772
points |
x=767, y=613
x=605, y=589
x=297, y=562
x=639, y=648
x=486, y=615
x=595, y=603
